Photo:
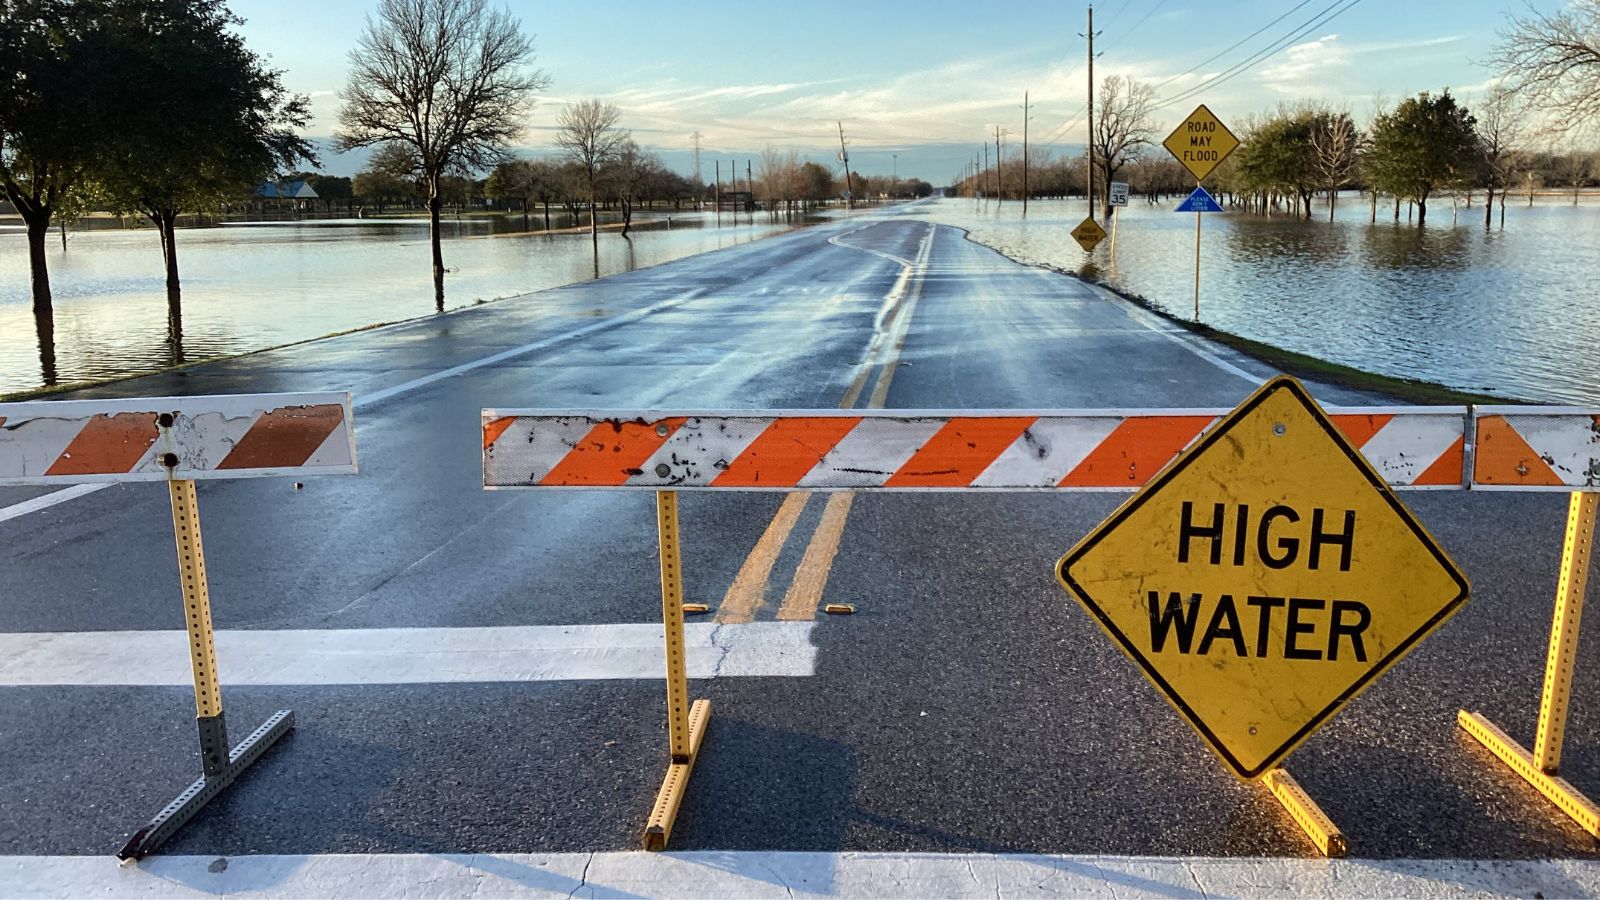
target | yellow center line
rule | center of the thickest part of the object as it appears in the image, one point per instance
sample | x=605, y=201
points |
x=749, y=587
x=746, y=595
x=805, y=592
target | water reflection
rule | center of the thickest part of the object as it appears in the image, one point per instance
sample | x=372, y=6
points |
x=1401, y=247
x=246, y=287
x=1503, y=311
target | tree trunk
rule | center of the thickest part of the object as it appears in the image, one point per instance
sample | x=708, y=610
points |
x=1502, y=210
x=1333, y=195
x=594, y=233
x=38, y=230
x=434, y=206
x=1374, y=206
x=547, y=215
x=165, y=221
x=1488, y=209
x=525, y=214
x=1422, y=210
x=44, y=323
x=1397, y=207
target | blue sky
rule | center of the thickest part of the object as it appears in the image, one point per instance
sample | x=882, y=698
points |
x=927, y=80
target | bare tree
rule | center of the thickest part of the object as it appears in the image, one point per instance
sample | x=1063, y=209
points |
x=1553, y=60
x=1123, y=127
x=1333, y=148
x=1575, y=168
x=1502, y=121
x=591, y=139
x=447, y=79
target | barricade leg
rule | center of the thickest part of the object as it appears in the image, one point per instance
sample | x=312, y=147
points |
x=1541, y=766
x=219, y=764
x=686, y=725
x=1306, y=813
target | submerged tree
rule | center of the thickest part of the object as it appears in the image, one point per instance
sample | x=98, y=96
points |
x=1502, y=121
x=447, y=79
x=1423, y=143
x=53, y=113
x=1334, y=140
x=590, y=138
x=222, y=124
x=1123, y=127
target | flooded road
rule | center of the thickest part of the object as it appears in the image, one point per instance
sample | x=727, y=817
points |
x=1513, y=312
x=246, y=287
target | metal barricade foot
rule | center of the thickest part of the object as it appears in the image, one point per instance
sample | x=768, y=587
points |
x=1555, y=788
x=1306, y=813
x=659, y=829
x=180, y=810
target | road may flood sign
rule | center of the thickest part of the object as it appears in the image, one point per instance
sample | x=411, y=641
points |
x=1201, y=142
x=1088, y=234
x=1264, y=578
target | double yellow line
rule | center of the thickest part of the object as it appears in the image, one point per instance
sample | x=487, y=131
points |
x=747, y=594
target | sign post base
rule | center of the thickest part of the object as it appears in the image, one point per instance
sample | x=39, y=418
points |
x=147, y=839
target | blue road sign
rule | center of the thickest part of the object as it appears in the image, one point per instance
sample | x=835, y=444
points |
x=1199, y=201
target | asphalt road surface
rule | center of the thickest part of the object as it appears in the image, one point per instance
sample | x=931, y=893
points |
x=969, y=706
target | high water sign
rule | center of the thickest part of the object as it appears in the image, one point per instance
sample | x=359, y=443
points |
x=1264, y=578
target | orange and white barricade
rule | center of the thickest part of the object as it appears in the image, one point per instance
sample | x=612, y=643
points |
x=180, y=440
x=1413, y=448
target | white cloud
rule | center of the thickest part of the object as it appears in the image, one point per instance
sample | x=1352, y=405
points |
x=1308, y=69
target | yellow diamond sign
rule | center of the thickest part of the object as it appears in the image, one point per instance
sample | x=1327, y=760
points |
x=1088, y=234
x=1201, y=142
x=1264, y=578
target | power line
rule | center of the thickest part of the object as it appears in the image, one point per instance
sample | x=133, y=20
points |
x=1232, y=47
x=1320, y=19
x=1135, y=26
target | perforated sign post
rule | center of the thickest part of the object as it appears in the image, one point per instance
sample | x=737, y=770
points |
x=1264, y=578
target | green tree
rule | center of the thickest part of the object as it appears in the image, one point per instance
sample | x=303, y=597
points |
x=514, y=181
x=1423, y=143
x=447, y=79
x=1279, y=157
x=53, y=113
x=206, y=118
x=816, y=183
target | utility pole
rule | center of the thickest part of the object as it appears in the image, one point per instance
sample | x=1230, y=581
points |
x=1090, y=35
x=986, y=166
x=844, y=157
x=750, y=183
x=716, y=191
x=894, y=173
x=1024, y=153
x=999, y=169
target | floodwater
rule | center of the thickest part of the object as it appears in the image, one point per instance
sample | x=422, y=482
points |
x=1513, y=312
x=246, y=287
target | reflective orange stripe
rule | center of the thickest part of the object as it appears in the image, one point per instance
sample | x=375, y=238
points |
x=1448, y=468
x=1504, y=457
x=284, y=438
x=959, y=452
x=493, y=430
x=1135, y=451
x=107, y=445
x=786, y=451
x=611, y=453
x=1360, y=429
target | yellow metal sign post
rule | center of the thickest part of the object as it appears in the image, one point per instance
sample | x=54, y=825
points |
x=1262, y=580
x=1541, y=767
x=1088, y=234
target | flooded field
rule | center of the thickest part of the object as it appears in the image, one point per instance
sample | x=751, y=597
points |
x=1513, y=312
x=246, y=287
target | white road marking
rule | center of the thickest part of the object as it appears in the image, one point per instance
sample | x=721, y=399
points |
x=757, y=874
x=18, y=510
x=406, y=655
x=45, y=501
